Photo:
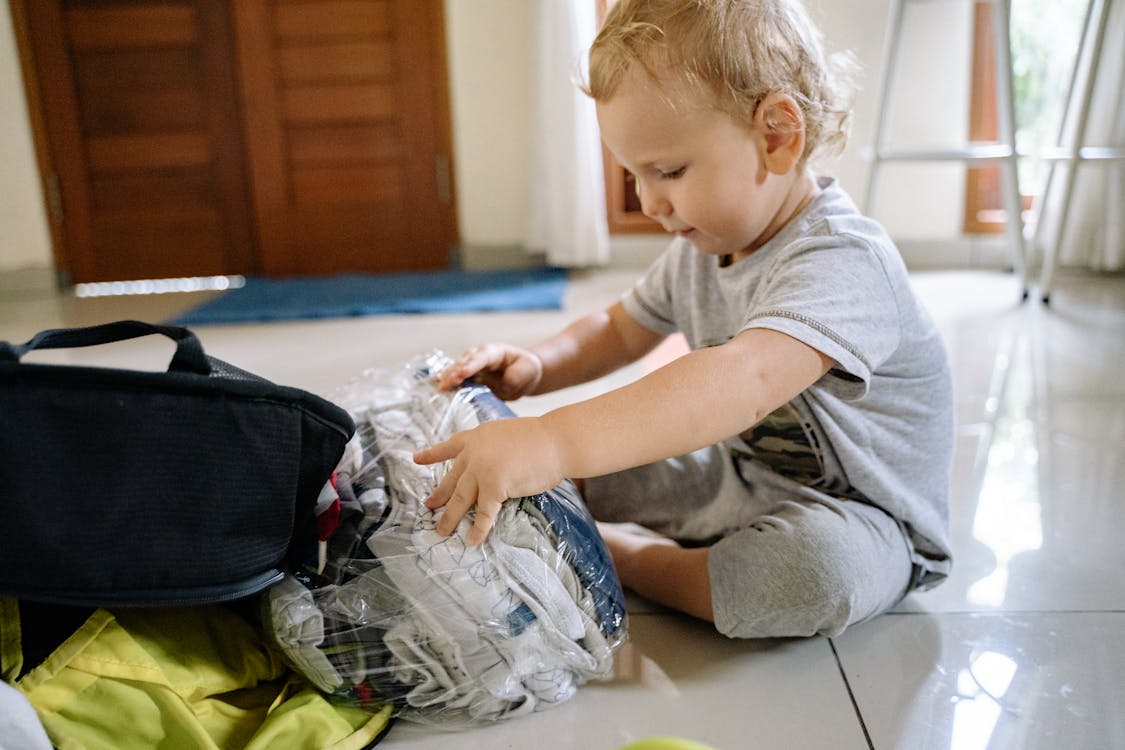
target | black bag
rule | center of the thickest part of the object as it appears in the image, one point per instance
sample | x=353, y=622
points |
x=122, y=487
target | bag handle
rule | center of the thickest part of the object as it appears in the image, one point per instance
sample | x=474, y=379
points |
x=189, y=356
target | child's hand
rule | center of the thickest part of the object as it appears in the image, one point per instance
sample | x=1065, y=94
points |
x=496, y=461
x=509, y=371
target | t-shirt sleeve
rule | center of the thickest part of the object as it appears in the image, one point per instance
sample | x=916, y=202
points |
x=649, y=302
x=836, y=296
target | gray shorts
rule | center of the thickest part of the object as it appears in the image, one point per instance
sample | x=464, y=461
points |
x=785, y=560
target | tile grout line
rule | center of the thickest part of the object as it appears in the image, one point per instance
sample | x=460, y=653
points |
x=851, y=695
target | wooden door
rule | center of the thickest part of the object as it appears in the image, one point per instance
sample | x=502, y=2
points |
x=204, y=137
x=141, y=127
x=346, y=133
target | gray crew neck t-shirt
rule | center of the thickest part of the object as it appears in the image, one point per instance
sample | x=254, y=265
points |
x=878, y=427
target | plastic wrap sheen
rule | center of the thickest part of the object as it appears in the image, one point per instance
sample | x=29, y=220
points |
x=382, y=609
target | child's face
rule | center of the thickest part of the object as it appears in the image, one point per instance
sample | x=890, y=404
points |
x=700, y=172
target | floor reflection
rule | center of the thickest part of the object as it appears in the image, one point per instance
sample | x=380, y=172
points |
x=1008, y=517
x=979, y=699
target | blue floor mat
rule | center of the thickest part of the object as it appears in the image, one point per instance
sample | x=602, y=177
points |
x=346, y=295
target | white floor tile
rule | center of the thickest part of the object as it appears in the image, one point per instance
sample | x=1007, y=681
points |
x=679, y=677
x=1036, y=514
x=971, y=682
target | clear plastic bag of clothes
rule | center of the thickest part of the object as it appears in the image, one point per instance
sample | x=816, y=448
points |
x=383, y=609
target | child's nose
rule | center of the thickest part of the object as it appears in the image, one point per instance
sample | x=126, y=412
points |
x=654, y=204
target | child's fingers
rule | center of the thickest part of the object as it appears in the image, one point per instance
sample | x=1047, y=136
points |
x=464, y=367
x=486, y=514
x=464, y=496
x=437, y=452
x=453, y=376
x=444, y=490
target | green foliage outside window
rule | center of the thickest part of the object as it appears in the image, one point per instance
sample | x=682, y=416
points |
x=1045, y=37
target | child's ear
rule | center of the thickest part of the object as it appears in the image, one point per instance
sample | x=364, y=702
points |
x=779, y=121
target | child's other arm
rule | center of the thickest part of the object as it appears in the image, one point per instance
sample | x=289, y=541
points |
x=588, y=348
x=593, y=346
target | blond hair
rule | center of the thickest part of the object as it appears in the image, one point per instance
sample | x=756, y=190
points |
x=735, y=50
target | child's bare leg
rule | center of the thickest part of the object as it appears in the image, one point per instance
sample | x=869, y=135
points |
x=659, y=569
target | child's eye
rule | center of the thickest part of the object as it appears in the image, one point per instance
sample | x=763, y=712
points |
x=674, y=174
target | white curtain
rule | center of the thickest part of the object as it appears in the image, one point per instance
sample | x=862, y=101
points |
x=1094, y=230
x=567, y=217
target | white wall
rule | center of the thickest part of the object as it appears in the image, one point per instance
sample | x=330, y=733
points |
x=930, y=108
x=489, y=45
x=489, y=57
x=24, y=238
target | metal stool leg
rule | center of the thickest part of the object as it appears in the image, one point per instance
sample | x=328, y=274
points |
x=1003, y=153
x=886, y=86
x=1006, y=120
x=1039, y=239
x=1097, y=32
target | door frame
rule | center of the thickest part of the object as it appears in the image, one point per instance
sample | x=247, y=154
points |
x=50, y=192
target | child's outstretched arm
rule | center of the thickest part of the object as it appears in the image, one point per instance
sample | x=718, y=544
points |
x=699, y=399
x=593, y=346
x=588, y=348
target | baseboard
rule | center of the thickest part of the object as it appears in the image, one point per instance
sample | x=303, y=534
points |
x=636, y=250
x=495, y=257
x=968, y=252
x=639, y=250
x=626, y=251
x=971, y=252
x=35, y=280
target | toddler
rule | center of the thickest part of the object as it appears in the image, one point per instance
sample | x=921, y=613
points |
x=794, y=466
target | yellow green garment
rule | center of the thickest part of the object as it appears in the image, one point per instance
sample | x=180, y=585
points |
x=196, y=677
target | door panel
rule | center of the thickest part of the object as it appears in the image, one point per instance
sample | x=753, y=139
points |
x=318, y=21
x=274, y=137
x=327, y=62
x=140, y=114
x=93, y=25
x=339, y=99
